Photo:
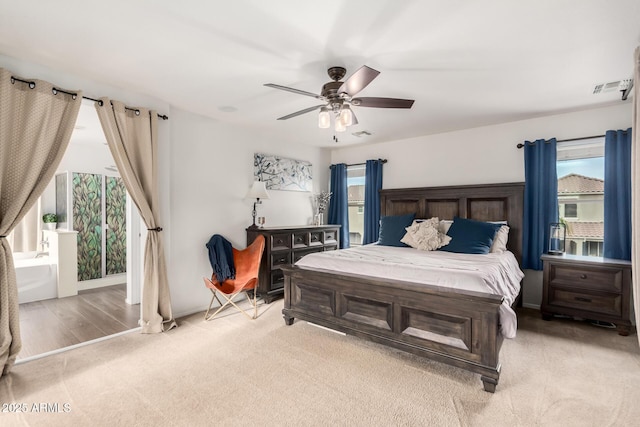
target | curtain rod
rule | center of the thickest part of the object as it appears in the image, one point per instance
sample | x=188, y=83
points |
x=55, y=90
x=363, y=164
x=570, y=139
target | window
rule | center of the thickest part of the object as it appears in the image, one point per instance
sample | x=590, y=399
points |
x=570, y=210
x=355, y=189
x=580, y=168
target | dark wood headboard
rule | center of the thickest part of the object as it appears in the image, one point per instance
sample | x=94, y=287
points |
x=489, y=202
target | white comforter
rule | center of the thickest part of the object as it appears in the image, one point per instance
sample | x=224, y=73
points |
x=496, y=273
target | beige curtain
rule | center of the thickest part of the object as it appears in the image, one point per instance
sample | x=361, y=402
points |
x=635, y=188
x=133, y=141
x=35, y=128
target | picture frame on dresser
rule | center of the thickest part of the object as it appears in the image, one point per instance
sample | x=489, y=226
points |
x=285, y=246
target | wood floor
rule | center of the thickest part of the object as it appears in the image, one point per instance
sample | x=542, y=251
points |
x=57, y=323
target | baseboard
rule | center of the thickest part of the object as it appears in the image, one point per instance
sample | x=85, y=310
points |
x=116, y=279
x=534, y=306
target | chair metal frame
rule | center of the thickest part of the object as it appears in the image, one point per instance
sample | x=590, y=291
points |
x=229, y=300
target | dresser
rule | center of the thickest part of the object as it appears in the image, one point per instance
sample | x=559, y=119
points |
x=286, y=245
x=589, y=288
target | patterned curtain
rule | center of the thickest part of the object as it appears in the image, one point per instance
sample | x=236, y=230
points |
x=372, y=187
x=36, y=122
x=540, y=199
x=339, y=204
x=132, y=136
x=617, y=194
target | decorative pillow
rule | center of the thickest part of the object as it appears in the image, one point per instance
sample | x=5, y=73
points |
x=499, y=244
x=392, y=229
x=469, y=236
x=444, y=225
x=424, y=235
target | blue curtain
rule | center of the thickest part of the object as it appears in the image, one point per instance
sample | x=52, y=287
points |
x=617, y=194
x=339, y=203
x=540, y=199
x=372, y=187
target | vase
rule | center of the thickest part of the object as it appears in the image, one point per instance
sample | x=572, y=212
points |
x=318, y=218
x=50, y=225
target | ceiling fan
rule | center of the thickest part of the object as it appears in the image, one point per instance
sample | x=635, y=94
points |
x=338, y=97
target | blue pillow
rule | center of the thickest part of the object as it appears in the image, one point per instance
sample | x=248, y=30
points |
x=392, y=229
x=469, y=236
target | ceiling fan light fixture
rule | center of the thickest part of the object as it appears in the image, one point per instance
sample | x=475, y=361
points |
x=340, y=126
x=346, y=116
x=324, y=119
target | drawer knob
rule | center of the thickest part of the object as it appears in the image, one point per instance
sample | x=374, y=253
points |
x=583, y=299
x=583, y=276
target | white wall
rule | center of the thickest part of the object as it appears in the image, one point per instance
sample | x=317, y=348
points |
x=212, y=170
x=481, y=155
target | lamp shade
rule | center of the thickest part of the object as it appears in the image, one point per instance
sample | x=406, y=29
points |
x=258, y=191
x=346, y=116
x=324, y=120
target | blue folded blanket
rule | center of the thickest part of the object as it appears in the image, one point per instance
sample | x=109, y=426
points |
x=221, y=258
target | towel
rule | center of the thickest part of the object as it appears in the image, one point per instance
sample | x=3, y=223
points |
x=221, y=258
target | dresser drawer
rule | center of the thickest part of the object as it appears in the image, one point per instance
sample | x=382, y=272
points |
x=297, y=255
x=300, y=240
x=330, y=236
x=277, y=279
x=603, y=303
x=280, y=258
x=315, y=238
x=604, y=279
x=281, y=241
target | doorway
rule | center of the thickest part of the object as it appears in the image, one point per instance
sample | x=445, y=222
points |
x=108, y=246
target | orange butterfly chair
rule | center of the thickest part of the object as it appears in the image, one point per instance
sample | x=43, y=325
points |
x=247, y=264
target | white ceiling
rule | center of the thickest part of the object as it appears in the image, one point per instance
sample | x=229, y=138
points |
x=466, y=63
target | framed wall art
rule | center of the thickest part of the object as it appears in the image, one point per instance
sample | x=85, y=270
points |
x=281, y=173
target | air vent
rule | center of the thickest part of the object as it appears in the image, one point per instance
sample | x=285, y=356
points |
x=362, y=133
x=616, y=86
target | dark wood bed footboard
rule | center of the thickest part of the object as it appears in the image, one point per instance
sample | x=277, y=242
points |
x=460, y=328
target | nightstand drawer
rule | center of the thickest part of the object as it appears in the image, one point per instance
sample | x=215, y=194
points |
x=610, y=304
x=609, y=280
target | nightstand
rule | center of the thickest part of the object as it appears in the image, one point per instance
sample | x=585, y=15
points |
x=587, y=287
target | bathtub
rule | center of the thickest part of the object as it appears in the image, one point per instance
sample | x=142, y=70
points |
x=36, y=277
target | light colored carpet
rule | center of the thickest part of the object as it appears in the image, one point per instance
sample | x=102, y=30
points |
x=232, y=371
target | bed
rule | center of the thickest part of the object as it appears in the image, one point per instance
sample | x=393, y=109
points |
x=460, y=327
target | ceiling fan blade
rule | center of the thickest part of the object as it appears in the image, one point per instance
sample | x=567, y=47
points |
x=298, y=113
x=298, y=91
x=358, y=80
x=382, y=102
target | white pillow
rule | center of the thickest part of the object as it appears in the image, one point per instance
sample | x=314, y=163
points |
x=424, y=235
x=499, y=244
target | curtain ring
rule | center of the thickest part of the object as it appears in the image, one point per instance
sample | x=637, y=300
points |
x=32, y=85
x=137, y=112
x=74, y=96
x=13, y=80
x=100, y=103
x=54, y=90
